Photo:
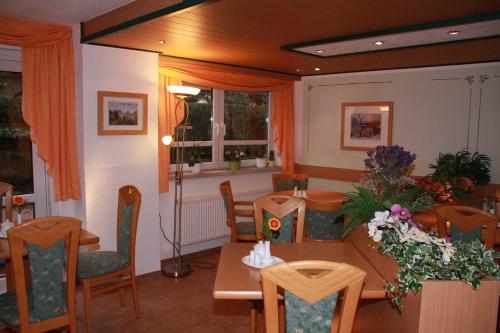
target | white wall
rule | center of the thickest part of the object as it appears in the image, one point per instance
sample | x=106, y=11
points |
x=113, y=161
x=431, y=114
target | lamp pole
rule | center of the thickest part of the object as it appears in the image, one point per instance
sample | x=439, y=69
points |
x=178, y=267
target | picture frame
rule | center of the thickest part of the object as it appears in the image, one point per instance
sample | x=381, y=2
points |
x=122, y=113
x=366, y=125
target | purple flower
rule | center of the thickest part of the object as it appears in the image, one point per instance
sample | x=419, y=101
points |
x=396, y=209
x=405, y=214
x=447, y=240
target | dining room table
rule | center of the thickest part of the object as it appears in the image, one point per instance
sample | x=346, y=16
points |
x=86, y=238
x=236, y=280
x=318, y=195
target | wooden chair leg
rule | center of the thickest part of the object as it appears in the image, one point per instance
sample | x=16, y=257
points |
x=122, y=297
x=135, y=297
x=281, y=313
x=73, y=328
x=88, y=307
x=253, y=314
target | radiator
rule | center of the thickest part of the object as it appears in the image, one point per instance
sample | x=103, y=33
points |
x=204, y=218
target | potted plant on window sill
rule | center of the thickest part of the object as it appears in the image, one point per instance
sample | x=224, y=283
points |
x=233, y=157
x=260, y=161
x=194, y=160
x=271, y=158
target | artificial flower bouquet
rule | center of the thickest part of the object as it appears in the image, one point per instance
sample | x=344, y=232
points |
x=271, y=228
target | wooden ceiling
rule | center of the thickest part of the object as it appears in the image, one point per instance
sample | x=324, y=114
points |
x=250, y=33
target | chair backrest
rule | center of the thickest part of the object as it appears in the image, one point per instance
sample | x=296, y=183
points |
x=467, y=224
x=6, y=189
x=129, y=204
x=322, y=222
x=52, y=245
x=227, y=196
x=287, y=182
x=284, y=208
x=310, y=299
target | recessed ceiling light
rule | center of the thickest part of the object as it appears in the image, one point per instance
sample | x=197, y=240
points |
x=453, y=32
x=379, y=43
x=163, y=41
x=317, y=69
x=319, y=51
x=298, y=70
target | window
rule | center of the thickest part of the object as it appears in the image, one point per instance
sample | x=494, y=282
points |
x=226, y=120
x=15, y=145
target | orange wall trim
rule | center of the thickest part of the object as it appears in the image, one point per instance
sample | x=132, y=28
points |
x=346, y=175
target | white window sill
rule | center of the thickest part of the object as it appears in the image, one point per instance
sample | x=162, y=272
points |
x=225, y=172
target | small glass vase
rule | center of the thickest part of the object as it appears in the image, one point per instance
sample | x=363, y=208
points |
x=234, y=165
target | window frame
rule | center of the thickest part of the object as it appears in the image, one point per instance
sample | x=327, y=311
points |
x=218, y=131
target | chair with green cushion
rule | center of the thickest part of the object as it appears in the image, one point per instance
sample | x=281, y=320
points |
x=311, y=299
x=242, y=230
x=322, y=221
x=285, y=208
x=287, y=182
x=103, y=271
x=50, y=302
x=467, y=224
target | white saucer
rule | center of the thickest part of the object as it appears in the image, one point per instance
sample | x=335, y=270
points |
x=246, y=261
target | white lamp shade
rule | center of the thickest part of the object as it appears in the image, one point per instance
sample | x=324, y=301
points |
x=167, y=140
x=183, y=91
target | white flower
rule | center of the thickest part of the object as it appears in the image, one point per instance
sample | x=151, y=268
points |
x=378, y=236
x=371, y=229
x=380, y=218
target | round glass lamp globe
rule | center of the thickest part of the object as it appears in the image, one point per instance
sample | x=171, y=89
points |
x=167, y=140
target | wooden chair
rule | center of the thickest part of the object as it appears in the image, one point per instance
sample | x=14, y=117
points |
x=310, y=299
x=244, y=231
x=49, y=303
x=284, y=208
x=466, y=223
x=287, y=182
x=322, y=222
x=103, y=271
x=6, y=190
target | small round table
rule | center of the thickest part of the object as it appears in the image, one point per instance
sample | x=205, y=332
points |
x=317, y=195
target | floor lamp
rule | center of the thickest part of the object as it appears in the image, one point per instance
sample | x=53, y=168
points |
x=178, y=268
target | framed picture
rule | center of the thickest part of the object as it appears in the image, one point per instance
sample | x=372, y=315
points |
x=122, y=113
x=366, y=125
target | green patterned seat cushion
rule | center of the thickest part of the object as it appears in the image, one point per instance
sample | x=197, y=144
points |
x=245, y=228
x=286, y=229
x=288, y=184
x=92, y=264
x=457, y=234
x=303, y=317
x=2, y=263
x=9, y=314
x=323, y=225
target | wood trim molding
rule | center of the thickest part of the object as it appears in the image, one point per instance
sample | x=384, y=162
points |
x=346, y=175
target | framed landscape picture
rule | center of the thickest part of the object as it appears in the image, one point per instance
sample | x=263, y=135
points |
x=366, y=125
x=122, y=113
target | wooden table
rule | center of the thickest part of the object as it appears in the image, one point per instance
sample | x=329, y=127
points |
x=86, y=238
x=317, y=195
x=235, y=280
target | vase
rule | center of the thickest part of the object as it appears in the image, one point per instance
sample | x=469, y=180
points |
x=19, y=218
x=234, y=165
x=261, y=162
x=268, y=258
x=195, y=168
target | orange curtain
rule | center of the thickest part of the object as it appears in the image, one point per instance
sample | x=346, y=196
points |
x=49, y=97
x=235, y=79
x=166, y=124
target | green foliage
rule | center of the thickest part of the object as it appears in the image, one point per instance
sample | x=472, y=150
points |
x=195, y=154
x=362, y=205
x=271, y=155
x=423, y=261
x=449, y=168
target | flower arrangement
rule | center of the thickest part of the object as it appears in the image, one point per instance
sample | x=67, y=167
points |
x=424, y=256
x=19, y=202
x=388, y=166
x=233, y=155
x=195, y=154
x=271, y=228
x=435, y=190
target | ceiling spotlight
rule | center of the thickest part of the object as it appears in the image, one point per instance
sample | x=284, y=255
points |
x=298, y=70
x=163, y=41
x=379, y=43
x=319, y=51
x=453, y=32
x=317, y=69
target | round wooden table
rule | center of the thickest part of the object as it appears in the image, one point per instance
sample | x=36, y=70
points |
x=317, y=195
